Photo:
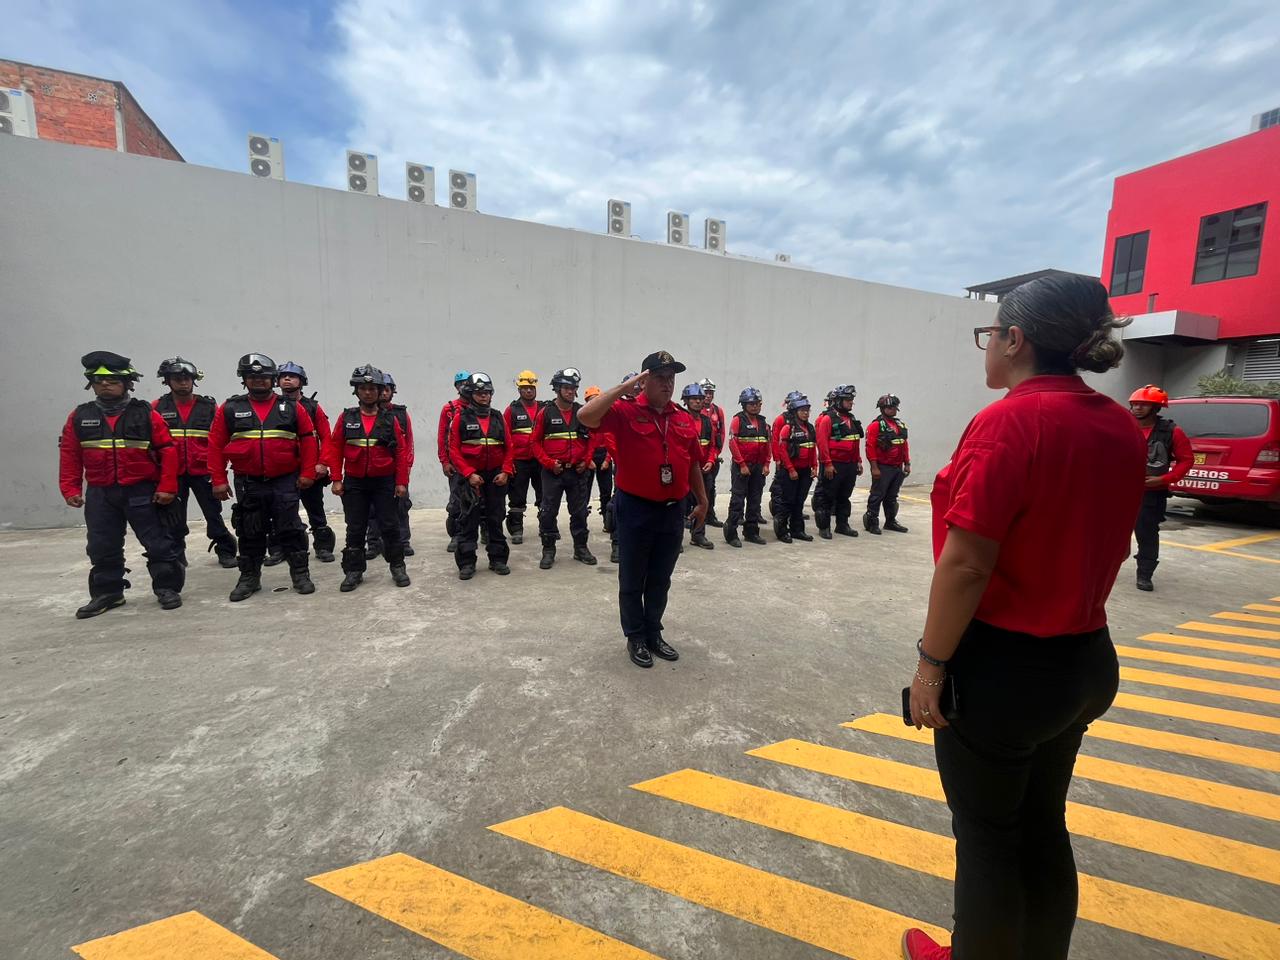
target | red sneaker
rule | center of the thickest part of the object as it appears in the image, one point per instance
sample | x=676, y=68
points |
x=918, y=945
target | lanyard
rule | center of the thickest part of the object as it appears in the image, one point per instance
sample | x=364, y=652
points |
x=661, y=423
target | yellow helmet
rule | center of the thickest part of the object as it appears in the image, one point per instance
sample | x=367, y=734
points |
x=526, y=378
x=592, y=391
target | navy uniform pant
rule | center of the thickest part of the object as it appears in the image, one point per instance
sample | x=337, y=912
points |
x=108, y=511
x=709, y=482
x=373, y=533
x=486, y=510
x=745, y=495
x=527, y=472
x=215, y=528
x=649, y=536
x=603, y=480
x=787, y=497
x=885, y=490
x=831, y=497
x=572, y=486
x=368, y=500
x=1147, y=530
x=268, y=508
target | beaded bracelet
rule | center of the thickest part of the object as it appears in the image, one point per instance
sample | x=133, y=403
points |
x=925, y=657
x=930, y=683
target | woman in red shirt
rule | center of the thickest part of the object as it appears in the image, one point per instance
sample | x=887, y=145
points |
x=1031, y=525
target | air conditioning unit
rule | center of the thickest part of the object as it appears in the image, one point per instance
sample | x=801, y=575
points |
x=677, y=228
x=462, y=190
x=266, y=156
x=362, y=173
x=420, y=183
x=782, y=257
x=618, y=218
x=713, y=237
x=17, y=113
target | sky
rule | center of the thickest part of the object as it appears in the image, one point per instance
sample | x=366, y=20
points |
x=932, y=145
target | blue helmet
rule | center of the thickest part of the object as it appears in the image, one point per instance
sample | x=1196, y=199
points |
x=634, y=373
x=295, y=368
x=692, y=390
x=792, y=396
x=750, y=395
x=388, y=380
x=845, y=391
x=797, y=401
x=462, y=376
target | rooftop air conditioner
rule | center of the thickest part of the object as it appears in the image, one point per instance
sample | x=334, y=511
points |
x=420, y=183
x=618, y=218
x=266, y=156
x=462, y=190
x=362, y=173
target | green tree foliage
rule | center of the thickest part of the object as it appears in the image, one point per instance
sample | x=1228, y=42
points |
x=1222, y=384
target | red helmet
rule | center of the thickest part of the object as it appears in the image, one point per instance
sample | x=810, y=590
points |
x=1150, y=394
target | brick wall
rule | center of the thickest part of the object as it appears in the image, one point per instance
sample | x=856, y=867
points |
x=141, y=135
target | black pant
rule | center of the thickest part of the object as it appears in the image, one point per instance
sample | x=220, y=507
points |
x=787, y=497
x=527, y=472
x=709, y=482
x=211, y=507
x=1147, y=531
x=744, y=498
x=1006, y=762
x=885, y=490
x=831, y=497
x=364, y=498
x=649, y=536
x=487, y=510
x=107, y=512
x=603, y=480
x=373, y=533
x=268, y=508
x=312, y=500
x=576, y=488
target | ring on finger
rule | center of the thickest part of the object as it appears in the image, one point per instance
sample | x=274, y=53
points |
x=926, y=711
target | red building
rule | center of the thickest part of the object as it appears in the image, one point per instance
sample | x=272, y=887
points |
x=1190, y=256
x=89, y=111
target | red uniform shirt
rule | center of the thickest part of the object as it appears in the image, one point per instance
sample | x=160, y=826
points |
x=836, y=451
x=344, y=454
x=753, y=448
x=896, y=454
x=1182, y=455
x=806, y=455
x=645, y=440
x=715, y=413
x=442, y=430
x=706, y=435
x=190, y=440
x=259, y=456
x=565, y=446
x=481, y=454
x=1053, y=472
x=105, y=463
x=520, y=437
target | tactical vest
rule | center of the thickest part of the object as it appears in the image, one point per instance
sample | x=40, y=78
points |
x=554, y=426
x=132, y=429
x=751, y=429
x=886, y=438
x=382, y=434
x=841, y=430
x=706, y=429
x=309, y=404
x=1160, y=448
x=795, y=441
x=521, y=418
x=242, y=421
x=470, y=433
x=401, y=413
x=198, y=421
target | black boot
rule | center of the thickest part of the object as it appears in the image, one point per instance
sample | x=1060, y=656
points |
x=226, y=551
x=466, y=571
x=515, y=527
x=499, y=567
x=843, y=528
x=453, y=545
x=250, y=581
x=548, y=554
x=1144, y=577
x=799, y=534
x=300, y=572
x=714, y=521
x=100, y=605
x=275, y=555
x=752, y=532
x=325, y=540
x=614, y=553
x=399, y=575
x=353, y=565
x=583, y=555
x=780, y=530
x=871, y=524
x=484, y=534
x=731, y=536
x=352, y=580
x=824, y=533
x=373, y=549
x=891, y=519
x=699, y=539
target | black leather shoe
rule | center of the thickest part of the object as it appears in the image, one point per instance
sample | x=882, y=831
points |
x=700, y=540
x=845, y=530
x=583, y=555
x=499, y=567
x=714, y=521
x=895, y=526
x=801, y=535
x=824, y=533
x=731, y=537
x=352, y=580
x=100, y=605
x=169, y=599
x=660, y=648
x=399, y=576
x=639, y=652
x=871, y=524
x=756, y=538
x=467, y=572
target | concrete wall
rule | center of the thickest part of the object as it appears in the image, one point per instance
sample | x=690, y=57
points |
x=100, y=250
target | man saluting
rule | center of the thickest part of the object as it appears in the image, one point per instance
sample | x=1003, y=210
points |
x=658, y=462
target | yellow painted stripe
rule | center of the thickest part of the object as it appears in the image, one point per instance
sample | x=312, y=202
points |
x=1204, y=643
x=464, y=916
x=1208, y=793
x=1242, y=541
x=806, y=913
x=1256, y=722
x=1243, y=691
x=1200, y=747
x=1202, y=663
x=1122, y=829
x=1220, y=553
x=1168, y=919
x=1245, y=617
x=1264, y=607
x=1225, y=630
x=185, y=936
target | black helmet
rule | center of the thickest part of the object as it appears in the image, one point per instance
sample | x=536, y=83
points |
x=178, y=367
x=256, y=365
x=846, y=391
x=568, y=377
x=477, y=381
x=888, y=400
x=388, y=380
x=366, y=374
x=104, y=363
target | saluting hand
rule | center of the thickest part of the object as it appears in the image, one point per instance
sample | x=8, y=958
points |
x=221, y=491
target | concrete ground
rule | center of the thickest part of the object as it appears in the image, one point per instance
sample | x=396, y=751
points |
x=212, y=759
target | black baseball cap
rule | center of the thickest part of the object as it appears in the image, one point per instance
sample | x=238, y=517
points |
x=661, y=360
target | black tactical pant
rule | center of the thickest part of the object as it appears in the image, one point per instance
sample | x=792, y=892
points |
x=744, y=497
x=603, y=480
x=709, y=482
x=211, y=507
x=107, y=513
x=527, y=472
x=831, y=497
x=885, y=490
x=373, y=533
x=787, y=497
x=487, y=509
x=1147, y=531
x=574, y=487
x=268, y=508
x=312, y=500
x=364, y=501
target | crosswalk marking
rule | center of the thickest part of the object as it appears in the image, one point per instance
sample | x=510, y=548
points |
x=1245, y=617
x=1264, y=607
x=184, y=936
x=1209, y=793
x=1180, y=709
x=1204, y=643
x=465, y=916
x=1169, y=919
x=1122, y=829
x=1201, y=663
x=1229, y=631
x=1124, y=733
x=798, y=910
x=1242, y=691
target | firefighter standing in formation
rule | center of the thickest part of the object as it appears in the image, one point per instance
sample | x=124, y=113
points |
x=479, y=450
x=715, y=414
x=518, y=419
x=750, y=450
x=890, y=457
x=840, y=462
x=795, y=451
x=292, y=377
x=447, y=413
x=563, y=447
x=373, y=535
x=693, y=399
x=1169, y=457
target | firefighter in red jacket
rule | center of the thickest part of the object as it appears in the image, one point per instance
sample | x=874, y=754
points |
x=270, y=443
x=292, y=377
x=719, y=434
x=189, y=417
x=367, y=457
x=373, y=535
x=518, y=421
x=1169, y=457
x=750, y=449
x=123, y=449
x=890, y=458
x=563, y=447
x=839, y=462
x=447, y=413
x=795, y=451
x=694, y=399
x=478, y=448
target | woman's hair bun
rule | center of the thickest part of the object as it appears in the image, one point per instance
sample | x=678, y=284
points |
x=1068, y=319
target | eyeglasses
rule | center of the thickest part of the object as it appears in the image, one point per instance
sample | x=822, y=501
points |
x=982, y=335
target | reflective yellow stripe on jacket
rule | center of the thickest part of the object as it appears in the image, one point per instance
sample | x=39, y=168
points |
x=264, y=435
x=752, y=439
x=180, y=433
x=522, y=430
x=362, y=442
x=560, y=436
x=482, y=442
x=116, y=444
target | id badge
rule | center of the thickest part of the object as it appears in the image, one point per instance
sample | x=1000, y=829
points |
x=666, y=474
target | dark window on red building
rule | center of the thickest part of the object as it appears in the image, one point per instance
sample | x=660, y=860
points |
x=1230, y=244
x=1129, y=263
